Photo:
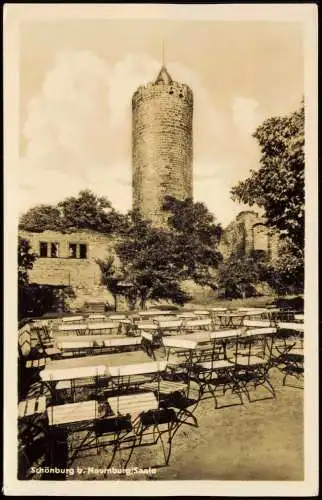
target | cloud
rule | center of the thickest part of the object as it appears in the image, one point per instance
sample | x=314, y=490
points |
x=78, y=132
x=245, y=114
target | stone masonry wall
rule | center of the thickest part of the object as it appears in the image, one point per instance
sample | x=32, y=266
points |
x=82, y=275
x=249, y=232
x=161, y=146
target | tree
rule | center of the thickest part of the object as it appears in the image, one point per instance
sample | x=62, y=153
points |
x=41, y=217
x=111, y=277
x=85, y=211
x=26, y=260
x=88, y=211
x=278, y=185
x=196, y=239
x=148, y=262
x=287, y=274
x=239, y=275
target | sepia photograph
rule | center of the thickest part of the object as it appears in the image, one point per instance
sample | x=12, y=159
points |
x=161, y=249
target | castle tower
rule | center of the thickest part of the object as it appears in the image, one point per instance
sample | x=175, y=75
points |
x=161, y=145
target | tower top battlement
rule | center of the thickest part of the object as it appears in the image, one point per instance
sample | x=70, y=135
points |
x=161, y=145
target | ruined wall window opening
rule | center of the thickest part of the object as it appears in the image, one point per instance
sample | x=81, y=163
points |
x=77, y=251
x=54, y=250
x=82, y=251
x=43, y=249
x=72, y=251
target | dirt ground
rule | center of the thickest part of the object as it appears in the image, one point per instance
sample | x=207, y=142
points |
x=256, y=441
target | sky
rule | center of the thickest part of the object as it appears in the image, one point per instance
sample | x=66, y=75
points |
x=77, y=78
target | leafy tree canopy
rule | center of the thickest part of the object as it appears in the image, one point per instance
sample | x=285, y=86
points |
x=41, y=217
x=85, y=211
x=239, y=275
x=26, y=260
x=196, y=237
x=149, y=262
x=278, y=185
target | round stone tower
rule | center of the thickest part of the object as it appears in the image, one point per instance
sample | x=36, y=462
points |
x=161, y=145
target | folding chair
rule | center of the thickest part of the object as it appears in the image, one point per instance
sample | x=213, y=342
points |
x=30, y=431
x=253, y=360
x=143, y=409
x=47, y=342
x=71, y=428
x=289, y=351
x=218, y=373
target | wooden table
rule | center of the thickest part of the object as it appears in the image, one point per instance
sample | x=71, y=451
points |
x=31, y=407
x=231, y=319
x=72, y=413
x=133, y=404
x=92, y=343
x=65, y=378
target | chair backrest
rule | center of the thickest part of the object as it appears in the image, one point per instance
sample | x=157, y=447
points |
x=24, y=340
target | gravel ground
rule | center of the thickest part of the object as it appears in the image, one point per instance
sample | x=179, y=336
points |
x=262, y=440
